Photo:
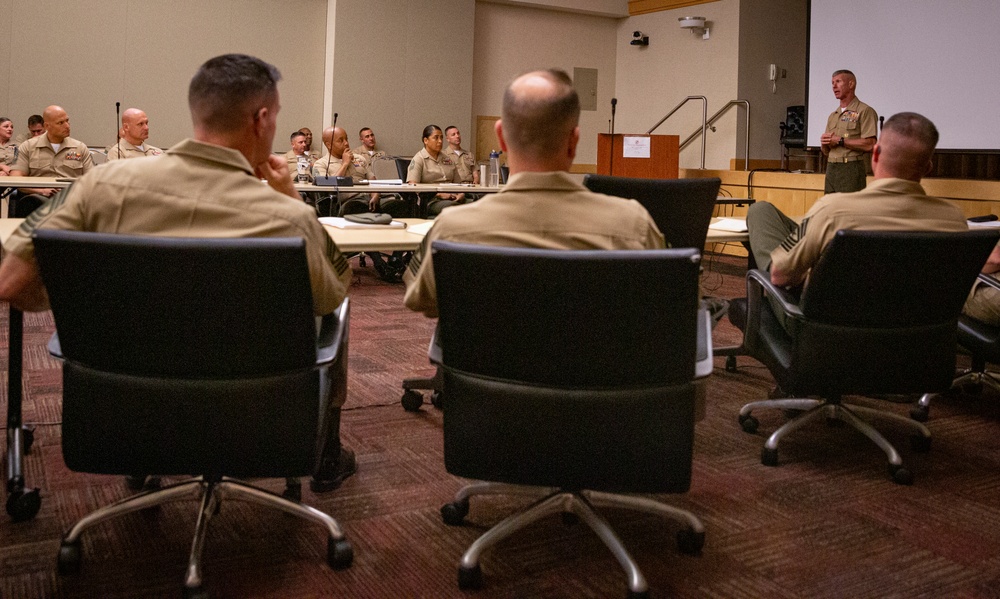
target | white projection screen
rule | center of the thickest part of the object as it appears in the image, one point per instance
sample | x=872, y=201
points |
x=940, y=58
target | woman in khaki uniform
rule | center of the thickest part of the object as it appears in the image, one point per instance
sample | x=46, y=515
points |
x=8, y=149
x=430, y=165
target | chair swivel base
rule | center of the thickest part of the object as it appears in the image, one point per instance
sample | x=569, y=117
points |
x=833, y=409
x=575, y=504
x=339, y=552
x=412, y=400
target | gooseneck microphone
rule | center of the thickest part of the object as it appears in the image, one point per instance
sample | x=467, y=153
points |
x=329, y=158
x=611, y=162
x=118, y=128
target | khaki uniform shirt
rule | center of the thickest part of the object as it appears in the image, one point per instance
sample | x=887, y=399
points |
x=22, y=137
x=293, y=167
x=886, y=204
x=464, y=162
x=539, y=210
x=124, y=149
x=367, y=158
x=8, y=152
x=857, y=120
x=37, y=158
x=194, y=190
x=424, y=169
x=329, y=166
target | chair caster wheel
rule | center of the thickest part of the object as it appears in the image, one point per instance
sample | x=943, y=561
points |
x=769, y=457
x=731, y=364
x=749, y=424
x=197, y=592
x=690, y=541
x=638, y=594
x=70, y=556
x=339, y=554
x=900, y=475
x=411, y=400
x=23, y=505
x=920, y=443
x=920, y=413
x=437, y=401
x=470, y=578
x=454, y=513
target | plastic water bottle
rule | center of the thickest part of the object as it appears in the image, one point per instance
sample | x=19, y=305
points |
x=303, y=168
x=495, y=168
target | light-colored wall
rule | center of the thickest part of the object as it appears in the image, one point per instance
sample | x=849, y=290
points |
x=87, y=54
x=512, y=39
x=652, y=80
x=771, y=31
x=400, y=65
x=607, y=8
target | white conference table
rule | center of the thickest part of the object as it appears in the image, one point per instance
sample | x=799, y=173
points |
x=376, y=187
x=35, y=182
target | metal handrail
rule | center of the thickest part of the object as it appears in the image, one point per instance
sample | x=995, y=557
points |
x=711, y=121
x=704, y=121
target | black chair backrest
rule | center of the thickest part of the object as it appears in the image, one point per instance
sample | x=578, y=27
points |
x=681, y=208
x=915, y=284
x=584, y=319
x=568, y=368
x=402, y=165
x=184, y=356
x=187, y=307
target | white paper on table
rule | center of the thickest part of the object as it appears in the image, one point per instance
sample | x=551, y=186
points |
x=420, y=229
x=736, y=225
x=634, y=146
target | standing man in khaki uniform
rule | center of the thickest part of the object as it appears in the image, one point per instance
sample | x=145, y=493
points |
x=542, y=205
x=208, y=186
x=894, y=201
x=851, y=131
x=463, y=159
x=135, y=132
x=53, y=154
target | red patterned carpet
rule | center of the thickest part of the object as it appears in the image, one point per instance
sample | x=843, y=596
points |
x=827, y=522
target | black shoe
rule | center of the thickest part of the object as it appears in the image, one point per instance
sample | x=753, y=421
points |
x=142, y=482
x=331, y=474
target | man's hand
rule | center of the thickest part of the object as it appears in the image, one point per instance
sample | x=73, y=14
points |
x=275, y=170
x=373, y=203
x=42, y=191
x=347, y=156
x=4, y=170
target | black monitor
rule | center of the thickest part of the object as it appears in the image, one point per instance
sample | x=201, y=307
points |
x=681, y=208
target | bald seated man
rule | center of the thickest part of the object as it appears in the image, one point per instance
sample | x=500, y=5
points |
x=52, y=154
x=134, y=133
x=541, y=205
x=208, y=186
x=341, y=162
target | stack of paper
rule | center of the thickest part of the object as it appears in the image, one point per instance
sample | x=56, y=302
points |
x=735, y=225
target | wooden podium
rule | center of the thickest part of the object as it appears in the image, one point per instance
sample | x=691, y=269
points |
x=664, y=151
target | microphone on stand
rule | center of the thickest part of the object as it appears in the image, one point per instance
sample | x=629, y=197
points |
x=330, y=149
x=611, y=162
x=118, y=128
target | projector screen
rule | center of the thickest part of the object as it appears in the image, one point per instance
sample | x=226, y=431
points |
x=939, y=58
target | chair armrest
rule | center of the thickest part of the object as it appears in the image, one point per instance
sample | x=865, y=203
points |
x=783, y=297
x=760, y=290
x=989, y=280
x=54, y=347
x=333, y=333
x=703, y=365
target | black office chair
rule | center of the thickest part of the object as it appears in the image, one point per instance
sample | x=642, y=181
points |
x=190, y=356
x=793, y=132
x=878, y=316
x=681, y=208
x=980, y=339
x=556, y=379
